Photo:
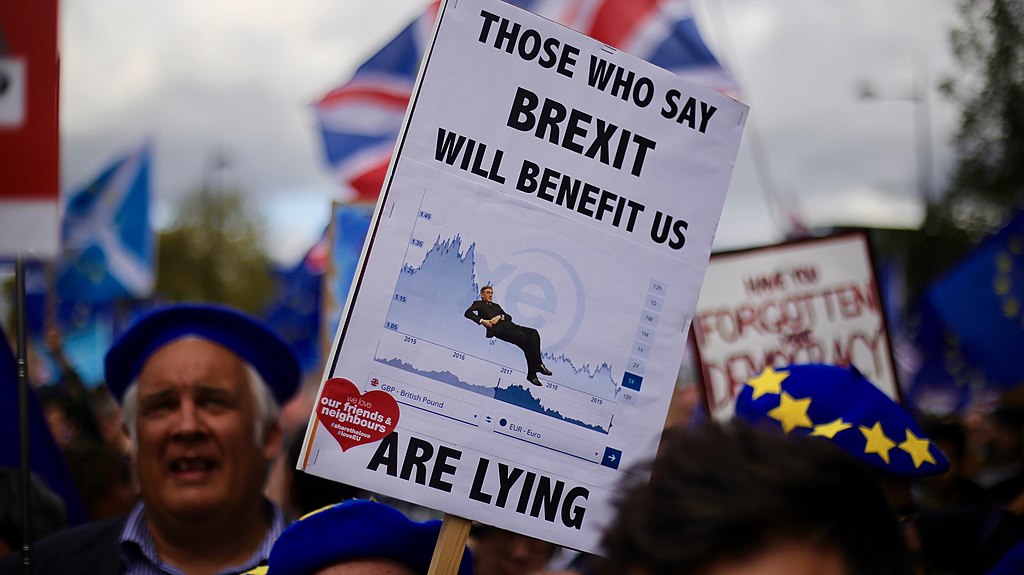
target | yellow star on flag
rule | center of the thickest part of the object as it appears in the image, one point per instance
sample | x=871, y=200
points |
x=918, y=449
x=1004, y=262
x=1011, y=306
x=877, y=442
x=768, y=381
x=830, y=429
x=791, y=413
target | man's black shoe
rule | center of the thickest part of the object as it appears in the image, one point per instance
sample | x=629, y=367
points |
x=532, y=378
x=543, y=369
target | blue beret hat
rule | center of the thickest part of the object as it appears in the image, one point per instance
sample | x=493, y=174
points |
x=356, y=529
x=842, y=406
x=249, y=338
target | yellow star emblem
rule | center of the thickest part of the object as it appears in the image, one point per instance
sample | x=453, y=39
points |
x=918, y=449
x=877, y=442
x=1004, y=262
x=1001, y=285
x=830, y=430
x=791, y=413
x=768, y=381
x=1011, y=306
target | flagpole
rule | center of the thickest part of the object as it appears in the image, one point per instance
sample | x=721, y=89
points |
x=23, y=427
x=762, y=169
x=50, y=302
x=451, y=544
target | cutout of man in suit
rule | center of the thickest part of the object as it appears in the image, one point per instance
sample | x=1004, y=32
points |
x=499, y=324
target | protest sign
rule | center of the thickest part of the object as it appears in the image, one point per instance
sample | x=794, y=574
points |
x=29, y=167
x=813, y=301
x=584, y=186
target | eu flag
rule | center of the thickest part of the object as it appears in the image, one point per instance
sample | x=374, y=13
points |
x=294, y=311
x=942, y=382
x=980, y=301
x=107, y=241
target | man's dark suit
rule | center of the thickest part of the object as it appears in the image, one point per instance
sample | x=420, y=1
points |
x=525, y=338
x=87, y=550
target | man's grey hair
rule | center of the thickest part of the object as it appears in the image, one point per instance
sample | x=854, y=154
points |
x=267, y=409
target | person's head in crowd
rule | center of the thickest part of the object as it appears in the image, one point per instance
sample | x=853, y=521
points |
x=840, y=405
x=307, y=492
x=951, y=438
x=103, y=477
x=66, y=400
x=110, y=419
x=955, y=486
x=500, y=552
x=1007, y=444
x=200, y=388
x=972, y=528
x=357, y=537
x=48, y=512
x=1002, y=472
x=738, y=501
x=59, y=414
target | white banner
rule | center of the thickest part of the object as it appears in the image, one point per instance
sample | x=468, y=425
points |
x=584, y=186
x=812, y=301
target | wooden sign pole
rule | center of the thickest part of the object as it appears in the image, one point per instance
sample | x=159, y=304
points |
x=451, y=543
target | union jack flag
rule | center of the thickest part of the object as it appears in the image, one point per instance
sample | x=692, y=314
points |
x=361, y=119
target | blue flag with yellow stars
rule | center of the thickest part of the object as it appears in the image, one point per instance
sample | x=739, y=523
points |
x=981, y=301
x=842, y=406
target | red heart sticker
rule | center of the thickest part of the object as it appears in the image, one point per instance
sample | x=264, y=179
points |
x=355, y=418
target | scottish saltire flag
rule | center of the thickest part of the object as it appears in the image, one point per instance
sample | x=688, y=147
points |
x=981, y=301
x=361, y=119
x=107, y=241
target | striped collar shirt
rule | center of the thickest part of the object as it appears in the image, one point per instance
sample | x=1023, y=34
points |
x=138, y=550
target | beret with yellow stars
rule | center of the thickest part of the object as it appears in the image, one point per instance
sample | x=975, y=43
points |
x=842, y=406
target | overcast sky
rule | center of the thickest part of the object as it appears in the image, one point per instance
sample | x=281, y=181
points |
x=197, y=76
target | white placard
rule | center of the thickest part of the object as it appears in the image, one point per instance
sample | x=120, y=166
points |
x=813, y=301
x=591, y=212
x=12, y=92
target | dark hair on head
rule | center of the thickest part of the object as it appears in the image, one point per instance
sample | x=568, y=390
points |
x=949, y=435
x=1011, y=417
x=486, y=287
x=728, y=493
x=97, y=469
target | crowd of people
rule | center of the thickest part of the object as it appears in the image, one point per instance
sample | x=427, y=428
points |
x=818, y=473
